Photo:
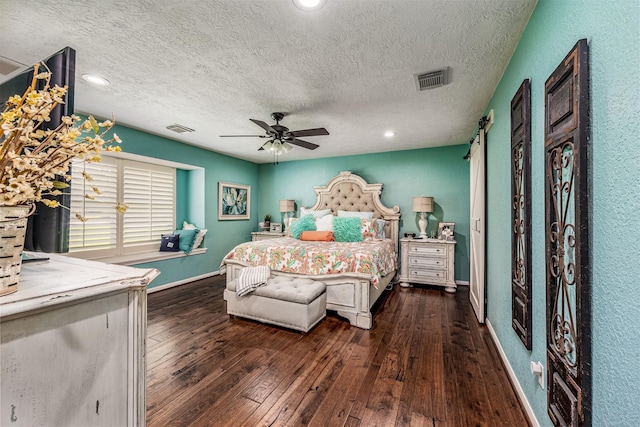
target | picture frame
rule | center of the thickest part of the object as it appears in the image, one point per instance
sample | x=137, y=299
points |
x=234, y=201
x=276, y=227
x=445, y=230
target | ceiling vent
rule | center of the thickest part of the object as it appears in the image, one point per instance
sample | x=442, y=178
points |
x=431, y=79
x=180, y=129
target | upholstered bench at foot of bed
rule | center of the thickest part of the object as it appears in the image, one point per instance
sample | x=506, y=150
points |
x=294, y=303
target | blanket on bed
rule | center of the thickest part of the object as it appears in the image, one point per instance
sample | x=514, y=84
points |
x=252, y=277
x=375, y=258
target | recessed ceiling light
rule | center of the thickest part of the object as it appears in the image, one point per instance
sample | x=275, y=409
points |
x=309, y=5
x=95, y=80
x=389, y=133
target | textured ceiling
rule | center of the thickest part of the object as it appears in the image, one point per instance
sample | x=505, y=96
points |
x=212, y=65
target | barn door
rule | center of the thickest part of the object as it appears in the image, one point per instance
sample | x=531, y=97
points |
x=568, y=318
x=477, y=238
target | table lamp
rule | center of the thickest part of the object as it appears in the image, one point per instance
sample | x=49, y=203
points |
x=423, y=205
x=287, y=206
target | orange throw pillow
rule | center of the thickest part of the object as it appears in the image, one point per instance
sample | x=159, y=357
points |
x=317, y=236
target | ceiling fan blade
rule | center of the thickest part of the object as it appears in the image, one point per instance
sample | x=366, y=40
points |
x=263, y=125
x=303, y=144
x=309, y=132
x=243, y=136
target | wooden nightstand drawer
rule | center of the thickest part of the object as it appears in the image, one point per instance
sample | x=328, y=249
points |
x=429, y=275
x=433, y=262
x=428, y=250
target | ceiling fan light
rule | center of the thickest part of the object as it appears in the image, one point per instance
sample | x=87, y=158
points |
x=268, y=146
x=286, y=147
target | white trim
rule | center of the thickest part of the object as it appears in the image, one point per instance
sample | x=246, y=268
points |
x=489, y=122
x=182, y=282
x=462, y=282
x=150, y=160
x=138, y=258
x=512, y=377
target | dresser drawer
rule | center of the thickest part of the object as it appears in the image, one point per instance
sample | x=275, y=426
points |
x=418, y=275
x=436, y=263
x=431, y=251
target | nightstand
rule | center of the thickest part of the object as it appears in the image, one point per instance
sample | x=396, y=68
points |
x=264, y=235
x=428, y=262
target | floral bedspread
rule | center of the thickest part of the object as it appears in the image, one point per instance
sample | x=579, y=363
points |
x=376, y=258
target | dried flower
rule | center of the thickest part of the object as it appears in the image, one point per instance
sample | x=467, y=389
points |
x=32, y=160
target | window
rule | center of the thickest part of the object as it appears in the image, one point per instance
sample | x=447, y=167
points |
x=148, y=189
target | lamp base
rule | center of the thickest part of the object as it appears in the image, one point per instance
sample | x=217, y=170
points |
x=422, y=223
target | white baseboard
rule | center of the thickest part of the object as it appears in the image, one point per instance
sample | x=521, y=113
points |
x=462, y=282
x=182, y=282
x=512, y=376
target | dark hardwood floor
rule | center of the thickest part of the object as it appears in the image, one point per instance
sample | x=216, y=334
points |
x=426, y=362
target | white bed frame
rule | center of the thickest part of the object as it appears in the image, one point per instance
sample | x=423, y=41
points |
x=351, y=295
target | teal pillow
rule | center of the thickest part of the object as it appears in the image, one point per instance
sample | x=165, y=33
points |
x=304, y=223
x=347, y=229
x=187, y=237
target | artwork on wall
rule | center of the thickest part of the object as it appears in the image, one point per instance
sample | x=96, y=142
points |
x=521, y=315
x=568, y=286
x=445, y=230
x=233, y=201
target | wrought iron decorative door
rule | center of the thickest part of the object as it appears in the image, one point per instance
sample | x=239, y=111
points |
x=521, y=213
x=567, y=240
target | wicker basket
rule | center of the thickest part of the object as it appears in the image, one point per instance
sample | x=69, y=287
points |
x=13, y=225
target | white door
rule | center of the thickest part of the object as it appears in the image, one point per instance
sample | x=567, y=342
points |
x=477, y=244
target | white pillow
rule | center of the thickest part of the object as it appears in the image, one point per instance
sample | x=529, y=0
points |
x=197, y=241
x=351, y=214
x=324, y=223
x=316, y=214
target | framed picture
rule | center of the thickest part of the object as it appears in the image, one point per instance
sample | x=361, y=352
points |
x=445, y=230
x=276, y=227
x=233, y=201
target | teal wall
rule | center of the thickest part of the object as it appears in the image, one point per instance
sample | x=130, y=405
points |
x=439, y=172
x=613, y=32
x=221, y=235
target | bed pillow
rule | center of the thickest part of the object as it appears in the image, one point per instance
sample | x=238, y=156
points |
x=199, y=237
x=367, y=228
x=325, y=223
x=169, y=243
x=316, y=214
x=317, y=236
x=349, y=214
x=187, y=237
x=379, y=227
x=304, y=223
x=347, y=229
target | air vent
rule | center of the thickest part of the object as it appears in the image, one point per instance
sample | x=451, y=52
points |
x=180, y=129
x=431, y=79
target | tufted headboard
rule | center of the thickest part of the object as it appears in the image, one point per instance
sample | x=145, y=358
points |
x=349, y=192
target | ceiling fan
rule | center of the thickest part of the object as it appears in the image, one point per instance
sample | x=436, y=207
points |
x=281, y=138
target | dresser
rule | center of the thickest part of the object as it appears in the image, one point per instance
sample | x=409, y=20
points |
x=428, y=262
x=264, y=235
x=73, y=344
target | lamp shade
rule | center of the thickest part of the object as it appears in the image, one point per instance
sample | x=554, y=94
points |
x=423, y=204
x=287, y=206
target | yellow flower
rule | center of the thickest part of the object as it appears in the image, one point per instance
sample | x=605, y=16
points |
x=35, y=161
x=121, y=207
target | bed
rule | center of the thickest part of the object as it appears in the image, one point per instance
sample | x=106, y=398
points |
x=351, y=294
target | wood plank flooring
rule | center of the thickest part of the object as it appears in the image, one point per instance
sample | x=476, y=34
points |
x=426, y=362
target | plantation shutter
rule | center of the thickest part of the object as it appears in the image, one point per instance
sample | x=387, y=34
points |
x=149, y=193
x=98, y=232
x=148, y=190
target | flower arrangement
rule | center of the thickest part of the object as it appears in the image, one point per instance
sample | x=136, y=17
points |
x=34, y=163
